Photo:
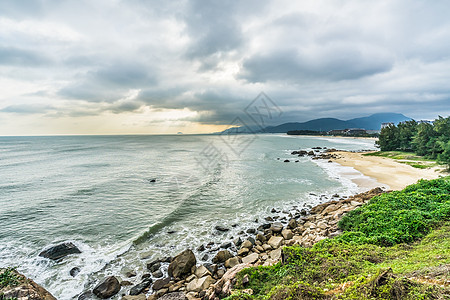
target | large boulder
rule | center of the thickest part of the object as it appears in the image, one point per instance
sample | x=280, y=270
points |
x=222, y=256
x=24, y=288
x=107, y=288
x=60, y=251
x=182, y=263
x=174, y=296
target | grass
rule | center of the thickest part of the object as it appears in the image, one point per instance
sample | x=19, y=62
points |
x=408, y=158
x=395, y=247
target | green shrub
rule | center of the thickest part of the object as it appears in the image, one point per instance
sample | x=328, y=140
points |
x=399, y=217
x=8, y=277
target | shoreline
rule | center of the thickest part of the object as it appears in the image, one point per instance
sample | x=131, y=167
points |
x=385, y=171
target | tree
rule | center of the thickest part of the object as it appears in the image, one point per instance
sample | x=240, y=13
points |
x=388, y=140
x=406, y=131
x=424, y=142
x=444, y=157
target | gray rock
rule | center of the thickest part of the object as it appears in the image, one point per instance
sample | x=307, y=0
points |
x=174, y=296
x=276, y=227
x=59, y=251
x=237, y=241
x=139, y=288
x=182, y=263
x=107, y=288
x=292, y=224
x=74, y=271
x=157, y=274
x=251, y=230
x=222, y=256
x=247, y=244
x=260, y=237
x=160, y=283
x=221, y=228
x=211, y=268
x=231, y=262
x=86, y=295
x=155, y=267
x=197, y=285
x=225, y=245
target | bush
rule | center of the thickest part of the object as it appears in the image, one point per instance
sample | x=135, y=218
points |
x=399, y=217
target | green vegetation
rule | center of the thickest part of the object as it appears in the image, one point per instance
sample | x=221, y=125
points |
x=424, y=139
x=8, y=277
x=399, y=216
x=397, y=246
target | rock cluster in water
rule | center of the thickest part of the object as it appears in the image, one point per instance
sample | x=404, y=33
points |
x=189, y=280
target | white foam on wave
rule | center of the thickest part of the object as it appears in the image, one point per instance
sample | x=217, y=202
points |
x=348, y=176
x=55, y=276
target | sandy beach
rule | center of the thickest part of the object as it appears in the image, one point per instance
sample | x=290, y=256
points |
x=385, y=171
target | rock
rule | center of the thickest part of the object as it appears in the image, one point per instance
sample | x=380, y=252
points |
x=125, y=283
x=237, y=241
x=276, y=227
x=266, y=247
x=161, y=283
x=287, y=234
x=200, y=284
x=138, y=297
x=74, y=271
x=26, y=289
x=260, y=237
x=139, y=288
x=211, y=268
x=251, y=230
x=220, y=272
x=250, y=259
x=224, y=285
x=86, y=295
x=174, y=296
x=154, y=267
x=205, y=257
x=243, y=251
x=292, y=224
x=247, y=244
x=201, y=248
x=202, y=271
x=225, y=245
x=221, y=228
x=286, y=160
x=182, y=263
x=231, y=262
x=152, y=263
x=275, y=242
x=144, y=276
x=190, y=278
x=275, y=254
x=245, y=280
x=60, y=251
x=158, y=274
x=222, y=256
x=107, y=288
x=175, y=287
x=160, y=293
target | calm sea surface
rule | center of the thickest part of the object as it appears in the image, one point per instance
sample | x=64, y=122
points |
x=97, y=192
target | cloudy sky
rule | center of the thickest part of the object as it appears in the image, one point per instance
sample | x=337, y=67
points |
x=144, y=66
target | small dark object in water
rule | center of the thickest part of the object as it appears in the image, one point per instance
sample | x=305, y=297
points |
x=152, y=180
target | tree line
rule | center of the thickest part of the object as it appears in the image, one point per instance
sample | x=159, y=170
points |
x=431, y=140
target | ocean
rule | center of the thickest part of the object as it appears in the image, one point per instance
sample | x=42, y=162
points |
x=126, y=200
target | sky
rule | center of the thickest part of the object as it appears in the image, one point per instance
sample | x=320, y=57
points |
x=196, y=66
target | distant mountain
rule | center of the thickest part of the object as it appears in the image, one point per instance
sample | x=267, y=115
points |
x=372, y=122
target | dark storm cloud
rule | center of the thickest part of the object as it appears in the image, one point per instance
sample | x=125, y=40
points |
x=109, y=83
x=337, y=64
x=313, y=58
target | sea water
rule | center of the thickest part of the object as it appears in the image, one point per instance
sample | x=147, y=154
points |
x=126, y=200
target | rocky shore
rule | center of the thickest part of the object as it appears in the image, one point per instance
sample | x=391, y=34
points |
x=186, y=278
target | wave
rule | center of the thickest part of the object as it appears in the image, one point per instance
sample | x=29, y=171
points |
x=190, y=205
